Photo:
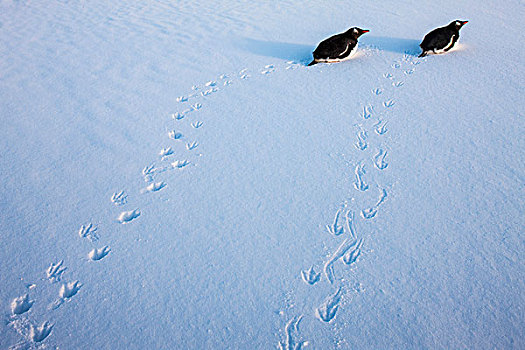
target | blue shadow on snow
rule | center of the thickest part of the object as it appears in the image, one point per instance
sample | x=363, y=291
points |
x=303, y=53
x=286, y=51
x=398, y=45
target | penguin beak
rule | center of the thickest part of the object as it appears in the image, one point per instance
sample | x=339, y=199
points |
x=363, y=31
x=464, y=22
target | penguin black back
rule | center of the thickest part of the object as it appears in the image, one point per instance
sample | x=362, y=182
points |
x=338, y=47
x=441, y=39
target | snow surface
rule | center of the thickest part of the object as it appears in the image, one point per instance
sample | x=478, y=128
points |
x=173, y=176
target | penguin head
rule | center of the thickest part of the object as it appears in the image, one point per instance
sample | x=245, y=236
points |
x=457, y=24
x=357, y=32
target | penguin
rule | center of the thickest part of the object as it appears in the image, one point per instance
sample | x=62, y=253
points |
x=441, y=39
x=339, y=47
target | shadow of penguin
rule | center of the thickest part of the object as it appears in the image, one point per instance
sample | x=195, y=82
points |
x=390, y=44
x=287, y=51
x=302, y=53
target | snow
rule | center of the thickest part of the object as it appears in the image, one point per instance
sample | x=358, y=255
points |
x=174, y=176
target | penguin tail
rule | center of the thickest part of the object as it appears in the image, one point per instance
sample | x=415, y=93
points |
x=423, y=54
x=312, y=63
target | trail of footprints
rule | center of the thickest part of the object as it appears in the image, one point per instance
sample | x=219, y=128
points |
x=291, y=330
x=343, y=225
x=172, y=159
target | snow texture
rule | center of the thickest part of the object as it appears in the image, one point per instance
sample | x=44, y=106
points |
x=174, y=176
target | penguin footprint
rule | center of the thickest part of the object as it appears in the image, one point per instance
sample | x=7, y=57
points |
x=196, y=124
x=389, y=103
x=380, y=128
x=367, y=112
x=192, y=145
x=166, y=152
x=174, y=135
x=359, y=183
x=38, y=334
x=99, y=254
x=379, y=160
x=268, y=69
x=310, y=276
x=361, y=143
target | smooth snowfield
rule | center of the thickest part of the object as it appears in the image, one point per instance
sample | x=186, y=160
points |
x=175, y=177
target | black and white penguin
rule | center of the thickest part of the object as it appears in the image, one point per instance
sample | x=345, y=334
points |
x=441, y=39
x=339, y=47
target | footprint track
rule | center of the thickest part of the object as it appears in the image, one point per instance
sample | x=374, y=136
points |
x=310, y=276
x=32, y=336
x=270, y=68
x=119, y=198
x=178, y=116
x=174, y=135
x=359, y=183
x=336, y=229
x=350, y=223
x=148, y=172
x=54, y=271
x=88, y=231
x=179, y=164
x=326, y=312
x=127, y=216
x=192, y=145
x=290, y=330
x=361, y=143
x=371, y=212
x=379, y=159
x=66, y=292
x=381, y=127
x=99, y=254
x=350, y=249
x=367, y=112
x=21, y=304
x=69, y=290
x=196, y=124
x=209, y=91
x=165, y=152
x=40, y=333
x=154, y=187
x=389, y=103
x=347, y=245
x=352, y=255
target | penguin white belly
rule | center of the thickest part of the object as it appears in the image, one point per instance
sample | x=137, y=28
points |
x=449, y=45
x=333, y=60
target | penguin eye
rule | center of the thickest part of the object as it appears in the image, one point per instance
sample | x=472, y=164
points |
x=457, y=24
x=355, y=31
